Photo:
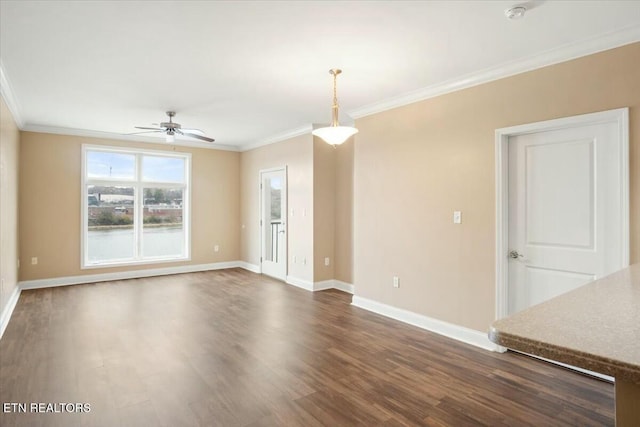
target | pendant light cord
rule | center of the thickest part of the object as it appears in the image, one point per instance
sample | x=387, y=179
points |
x=334, y=108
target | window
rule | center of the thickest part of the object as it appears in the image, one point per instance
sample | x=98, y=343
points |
x=135, y=206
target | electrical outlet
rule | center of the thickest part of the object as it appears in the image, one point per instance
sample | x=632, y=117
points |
x=327, y=261
x=396, y=282
x=457, y=217
x=216, y=248
x=34, y=260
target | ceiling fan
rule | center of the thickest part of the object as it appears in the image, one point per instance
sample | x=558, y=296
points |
x=171, y=128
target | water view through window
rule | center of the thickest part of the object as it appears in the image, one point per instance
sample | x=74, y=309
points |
x=162, y=234
x=135, y=207
x=116, y=244
x=110, y=223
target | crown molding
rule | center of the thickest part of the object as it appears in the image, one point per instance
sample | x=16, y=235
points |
x=557, y=55
x=123, y=137
x=9, y=97
x=302, y=130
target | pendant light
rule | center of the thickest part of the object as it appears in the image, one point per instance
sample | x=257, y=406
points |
x=335, y=134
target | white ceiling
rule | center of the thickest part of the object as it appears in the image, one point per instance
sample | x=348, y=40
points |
x=249, y=72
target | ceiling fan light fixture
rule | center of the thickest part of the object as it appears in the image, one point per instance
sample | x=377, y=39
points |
x=335, y=134
x=170, y=129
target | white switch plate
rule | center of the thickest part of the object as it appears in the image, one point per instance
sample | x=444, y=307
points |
x=396, y=282
x=34, y=260
x=457, y=217
x=216, y=248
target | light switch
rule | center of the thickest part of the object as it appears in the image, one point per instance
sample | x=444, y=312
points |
x=457, y=217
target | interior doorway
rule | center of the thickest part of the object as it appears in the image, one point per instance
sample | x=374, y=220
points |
x=562, y=191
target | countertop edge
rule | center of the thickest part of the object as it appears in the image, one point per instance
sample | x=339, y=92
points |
x=603, y=365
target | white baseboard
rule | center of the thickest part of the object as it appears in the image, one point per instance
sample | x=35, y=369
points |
x=8, y=309
x=249, y=267
x=323, y=285
x=333, y=284
x=300, y=283
x=133, y=274
x=320, y=286
x=450, y=330
x=344, y=287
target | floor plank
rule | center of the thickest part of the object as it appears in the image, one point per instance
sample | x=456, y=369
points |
x=233, y=348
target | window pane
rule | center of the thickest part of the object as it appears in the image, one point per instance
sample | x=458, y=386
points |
x=107, y=165
x=162, y=169
x=110, y=223
x=274, y=204
x=163, y=233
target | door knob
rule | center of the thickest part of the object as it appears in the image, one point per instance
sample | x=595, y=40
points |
x=515, y=255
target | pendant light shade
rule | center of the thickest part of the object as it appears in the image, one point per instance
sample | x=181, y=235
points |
x=335, y=134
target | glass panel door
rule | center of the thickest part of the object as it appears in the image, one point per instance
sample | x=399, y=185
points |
x=273, y=223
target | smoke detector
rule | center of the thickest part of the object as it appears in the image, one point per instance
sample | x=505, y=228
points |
x=515, y=12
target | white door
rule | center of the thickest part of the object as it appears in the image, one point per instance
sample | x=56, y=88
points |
x=564, y=211
x=273, y=226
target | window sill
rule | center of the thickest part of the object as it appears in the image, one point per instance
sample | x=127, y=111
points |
x=150, y=261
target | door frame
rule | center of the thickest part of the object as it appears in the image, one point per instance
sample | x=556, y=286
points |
x=286, y=217
x=620, y=117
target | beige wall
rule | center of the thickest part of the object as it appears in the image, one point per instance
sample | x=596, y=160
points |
x=320, y=179
x=324, y=209
x=297, y=155
x=9, y=157
x=50, y=168
x=416, y=164
x=343, y=238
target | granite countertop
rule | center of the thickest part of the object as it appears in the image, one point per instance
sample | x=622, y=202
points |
x=595, y=327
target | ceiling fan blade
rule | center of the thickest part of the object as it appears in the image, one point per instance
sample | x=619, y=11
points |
x=148, y=131
x=193, y=135
x=193, y=130
x=141, y=127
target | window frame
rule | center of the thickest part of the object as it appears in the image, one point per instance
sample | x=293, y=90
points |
x=138, y=185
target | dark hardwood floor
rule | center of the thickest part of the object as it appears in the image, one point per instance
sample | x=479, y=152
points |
x=232, y=348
